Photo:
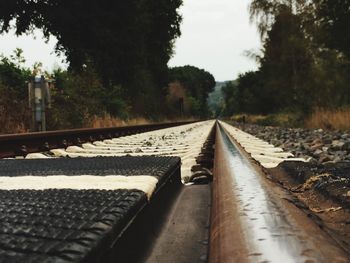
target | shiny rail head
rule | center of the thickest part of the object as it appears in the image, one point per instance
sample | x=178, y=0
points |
x=252, y=223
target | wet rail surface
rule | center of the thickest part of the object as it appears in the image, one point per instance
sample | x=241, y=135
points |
x=250, y=223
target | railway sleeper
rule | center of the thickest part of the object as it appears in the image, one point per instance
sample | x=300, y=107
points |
x=154, y=212
x=267, y=226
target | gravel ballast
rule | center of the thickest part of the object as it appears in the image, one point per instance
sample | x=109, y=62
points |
x=320, y=187
x=317, y=146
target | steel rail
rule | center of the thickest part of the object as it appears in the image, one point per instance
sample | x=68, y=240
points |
x=22, y=144
x=251, y=220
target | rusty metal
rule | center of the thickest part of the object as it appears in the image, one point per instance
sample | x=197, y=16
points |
x=252, y=221
x=226, y=239
x=22, y=144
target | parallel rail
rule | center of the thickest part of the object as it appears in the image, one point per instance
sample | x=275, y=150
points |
x=135, y=170
x=22, y=144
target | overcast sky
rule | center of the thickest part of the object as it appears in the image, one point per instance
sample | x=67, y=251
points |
x=34, y=47
x=215, y=34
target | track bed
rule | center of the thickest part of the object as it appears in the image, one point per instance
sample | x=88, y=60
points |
x=148, y=197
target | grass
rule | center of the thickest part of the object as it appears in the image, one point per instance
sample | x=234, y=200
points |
x=278, y=119
x=329, y=119
x=249, y=118
x=109, y=121
x=10, y=126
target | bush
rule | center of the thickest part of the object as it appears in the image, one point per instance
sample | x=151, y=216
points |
x=291, y=119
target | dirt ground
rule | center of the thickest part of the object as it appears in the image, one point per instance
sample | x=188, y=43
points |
x=322, y=191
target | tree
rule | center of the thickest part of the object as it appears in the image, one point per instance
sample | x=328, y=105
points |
x=13, y=74
x=287, y=64
x=198, y=83
x=264, y=12
x=333, y=16
x=128, y=43
x=14, y=114
x=231, y=99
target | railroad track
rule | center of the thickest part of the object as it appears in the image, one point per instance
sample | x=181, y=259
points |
x=144, y=195
x=22, y=144
x=268, y=227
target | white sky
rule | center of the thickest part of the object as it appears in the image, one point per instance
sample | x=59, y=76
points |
x=35, y=49
x=215, y=34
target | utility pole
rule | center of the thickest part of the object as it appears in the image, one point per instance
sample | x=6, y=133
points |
x=39, y=99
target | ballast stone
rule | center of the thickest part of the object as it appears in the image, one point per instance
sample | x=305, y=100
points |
x=184, y=141
x=263, y=152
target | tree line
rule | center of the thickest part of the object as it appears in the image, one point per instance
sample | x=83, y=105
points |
x=304, y=63
x=197, y=83
x=127, y=43
x=117, y=52
x=78, y=98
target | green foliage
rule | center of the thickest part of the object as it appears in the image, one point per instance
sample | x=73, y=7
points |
x=117, y=38
x=79, y=97
x=195, y=106
x=333, y=16
x=230, y=93
x=76, y=98
x=115, y=105
x=216, y=100
x=14, y=115
x=282, y=120
x=305, y=63
x=198, y=83
x=12, y=73
x=264, y=12
x=285, y=68
x=127, y=43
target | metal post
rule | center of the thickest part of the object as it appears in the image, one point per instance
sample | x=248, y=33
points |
x=39, y=96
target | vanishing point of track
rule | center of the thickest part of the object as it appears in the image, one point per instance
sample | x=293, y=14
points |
x=151, y=193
